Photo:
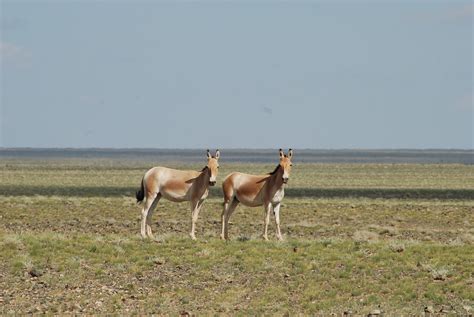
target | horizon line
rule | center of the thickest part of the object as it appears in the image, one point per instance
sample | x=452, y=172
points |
x=234, y=148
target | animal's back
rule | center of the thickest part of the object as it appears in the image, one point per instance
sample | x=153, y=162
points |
x=173, y=184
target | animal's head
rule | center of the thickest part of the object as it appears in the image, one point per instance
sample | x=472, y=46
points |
x=285, y=164
x=213, y=166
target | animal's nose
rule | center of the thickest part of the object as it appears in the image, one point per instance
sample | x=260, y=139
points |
x=212, y=183
x=285, y=180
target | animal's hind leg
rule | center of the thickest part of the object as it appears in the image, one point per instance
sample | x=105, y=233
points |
x=229, y=212
x=150, y=198
x=149, y=215
x=146, y=207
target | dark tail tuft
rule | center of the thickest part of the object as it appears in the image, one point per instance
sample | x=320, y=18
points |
x=140, y=193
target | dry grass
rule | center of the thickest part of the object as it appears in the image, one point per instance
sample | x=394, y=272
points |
x=74, y=245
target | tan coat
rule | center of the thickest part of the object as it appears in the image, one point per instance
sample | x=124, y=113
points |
x=177, y=186
x=257, y=190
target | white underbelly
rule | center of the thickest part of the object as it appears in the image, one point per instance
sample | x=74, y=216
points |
x=251, y=201
x=179, y=197
x=176, y=197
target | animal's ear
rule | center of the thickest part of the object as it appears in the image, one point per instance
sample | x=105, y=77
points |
x=209, y=154
x=290, y=153
x=282, y=154
x=218, y=154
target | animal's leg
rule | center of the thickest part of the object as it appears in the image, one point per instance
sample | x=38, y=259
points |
x=143, y=223
x=268, y=209
x=276, y=212
x=195, y=208
x=229, y=212
x=146, y=207
x=226, y=205
x=149, y=215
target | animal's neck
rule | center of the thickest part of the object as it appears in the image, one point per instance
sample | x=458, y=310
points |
x=276, y=178
x=205, y=174
x=277, y=168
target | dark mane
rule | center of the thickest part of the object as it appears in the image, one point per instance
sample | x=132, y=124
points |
x=276, y=169
x=205, y=168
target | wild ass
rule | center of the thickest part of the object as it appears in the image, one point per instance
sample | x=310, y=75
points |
x=257, y=190
x=176, y=186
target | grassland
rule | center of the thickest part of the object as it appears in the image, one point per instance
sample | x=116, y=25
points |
x=358, y=238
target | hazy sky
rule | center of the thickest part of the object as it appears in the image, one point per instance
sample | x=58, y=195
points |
x=266, y=74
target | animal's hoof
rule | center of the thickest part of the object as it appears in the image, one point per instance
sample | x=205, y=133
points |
x=192, y=236
x=265, y=238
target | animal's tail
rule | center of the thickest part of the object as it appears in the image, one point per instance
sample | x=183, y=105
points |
x=140, y=194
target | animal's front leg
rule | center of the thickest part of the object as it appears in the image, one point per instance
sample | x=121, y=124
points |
x=223, y=216
x=230, y=209
x=195, y=208
x=276, y=212
x=268, y=209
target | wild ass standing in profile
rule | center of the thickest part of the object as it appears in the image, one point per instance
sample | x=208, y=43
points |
x=257, y=190
x=176, y=186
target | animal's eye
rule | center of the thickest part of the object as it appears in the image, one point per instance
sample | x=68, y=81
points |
x=291, y=164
